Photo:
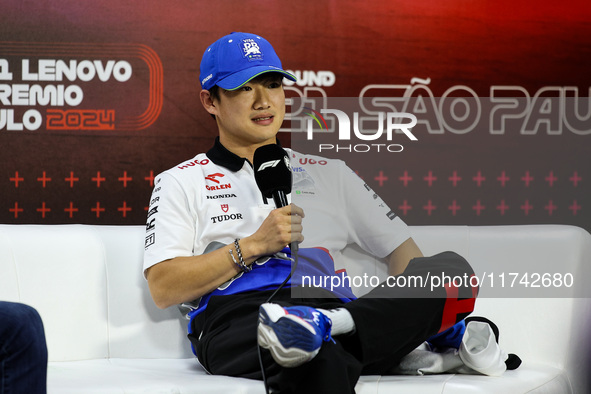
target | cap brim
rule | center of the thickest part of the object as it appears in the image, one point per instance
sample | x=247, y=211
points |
x=240, y=78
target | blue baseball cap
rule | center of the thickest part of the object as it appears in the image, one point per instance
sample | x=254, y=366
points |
x=235, y=59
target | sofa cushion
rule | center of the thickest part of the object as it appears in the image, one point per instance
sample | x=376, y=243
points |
x=59, y=270
x=185, y=376
x=105, y=335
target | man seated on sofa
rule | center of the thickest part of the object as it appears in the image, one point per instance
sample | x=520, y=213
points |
x=217, y=247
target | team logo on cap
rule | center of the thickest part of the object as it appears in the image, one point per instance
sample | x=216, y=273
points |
x=251, y=49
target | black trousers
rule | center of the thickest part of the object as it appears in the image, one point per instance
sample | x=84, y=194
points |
x=390, y=322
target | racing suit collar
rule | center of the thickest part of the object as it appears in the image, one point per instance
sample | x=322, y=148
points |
x=223, y=157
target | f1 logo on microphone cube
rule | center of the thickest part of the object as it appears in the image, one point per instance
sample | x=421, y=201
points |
x=273, y=163
x=268, y=164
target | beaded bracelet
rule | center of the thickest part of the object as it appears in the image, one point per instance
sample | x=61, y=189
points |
x=243, y=265
x=240, y=263
x=234, y=259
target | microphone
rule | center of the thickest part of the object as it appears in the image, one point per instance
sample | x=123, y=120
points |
x=272, y=173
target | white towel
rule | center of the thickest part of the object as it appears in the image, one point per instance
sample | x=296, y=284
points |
x=479, y=353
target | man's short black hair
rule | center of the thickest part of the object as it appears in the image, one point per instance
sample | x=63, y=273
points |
x=214, y=93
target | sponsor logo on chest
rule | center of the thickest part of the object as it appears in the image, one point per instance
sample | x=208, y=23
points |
x=215, y=178
x=216, y=196
x=224, y=218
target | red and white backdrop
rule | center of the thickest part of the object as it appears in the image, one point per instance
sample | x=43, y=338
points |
x=98, y=97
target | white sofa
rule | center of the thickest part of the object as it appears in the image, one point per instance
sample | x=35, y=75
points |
x=105, y=335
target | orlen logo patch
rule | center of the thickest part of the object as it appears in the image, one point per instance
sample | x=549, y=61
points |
x=79, y=86
x=219, y=186
x=213, y=177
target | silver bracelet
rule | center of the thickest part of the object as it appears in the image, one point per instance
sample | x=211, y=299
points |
x=243, y=265
x=240, y=263
x=234, y=259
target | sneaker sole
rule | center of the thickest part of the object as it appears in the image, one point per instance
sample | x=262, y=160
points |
x=293, y=332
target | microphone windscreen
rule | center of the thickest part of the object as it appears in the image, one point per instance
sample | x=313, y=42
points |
x=272, y=170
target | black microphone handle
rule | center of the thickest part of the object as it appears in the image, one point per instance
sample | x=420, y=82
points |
x=280, y=198
x=281, y=201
